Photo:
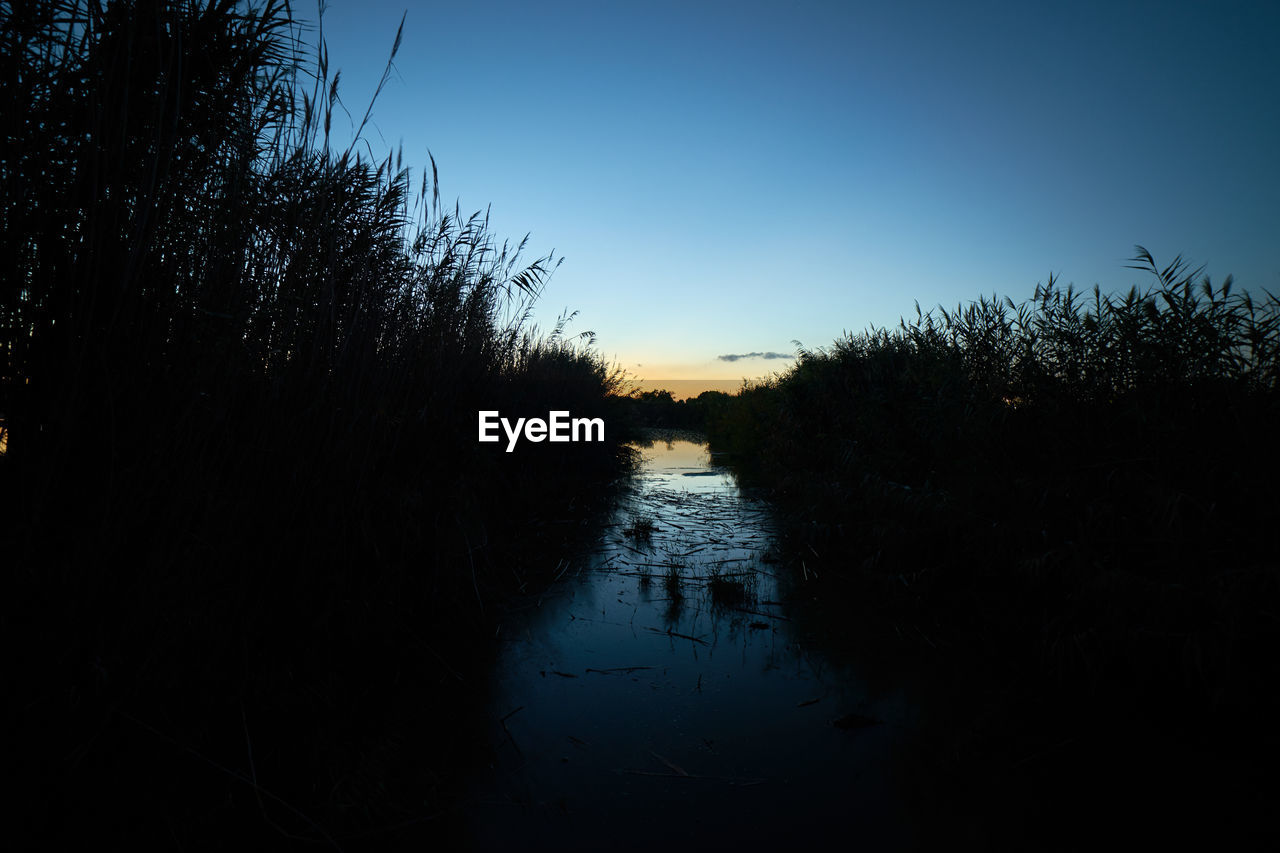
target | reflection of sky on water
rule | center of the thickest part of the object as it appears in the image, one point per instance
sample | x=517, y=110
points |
x=637, y=706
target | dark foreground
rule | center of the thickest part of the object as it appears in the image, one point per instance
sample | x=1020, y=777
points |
x=707, y=680
x=667, y=692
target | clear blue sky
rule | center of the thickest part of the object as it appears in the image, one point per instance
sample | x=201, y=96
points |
x=724, y=178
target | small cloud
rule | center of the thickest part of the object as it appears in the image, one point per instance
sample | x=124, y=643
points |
x=767, y=355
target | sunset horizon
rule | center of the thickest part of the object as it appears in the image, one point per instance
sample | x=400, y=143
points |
x=683, y=389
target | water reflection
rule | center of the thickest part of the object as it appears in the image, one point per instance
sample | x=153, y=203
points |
x=659, y=693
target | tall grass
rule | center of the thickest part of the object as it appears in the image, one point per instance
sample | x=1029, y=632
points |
x=250, y=535
x=1080, y=483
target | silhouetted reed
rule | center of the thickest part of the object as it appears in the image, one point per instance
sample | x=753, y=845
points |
x=251, y=537
x=1085, y=484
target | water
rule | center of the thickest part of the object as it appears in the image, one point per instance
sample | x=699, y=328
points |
x=644, y=701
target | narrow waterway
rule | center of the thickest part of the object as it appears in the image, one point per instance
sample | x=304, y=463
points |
x=663, y=692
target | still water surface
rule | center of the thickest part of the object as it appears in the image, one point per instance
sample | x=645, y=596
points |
x=663, y=692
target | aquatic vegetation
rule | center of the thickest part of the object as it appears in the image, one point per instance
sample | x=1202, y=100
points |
x=672, y=582
x=241, y=492
x=1069, y=500
x=641, y=529
x=1069, y=479
x=731, y=589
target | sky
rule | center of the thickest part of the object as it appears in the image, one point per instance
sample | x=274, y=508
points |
x=728, y=179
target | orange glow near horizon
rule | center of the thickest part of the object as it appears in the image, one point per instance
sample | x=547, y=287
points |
x=686, y=379
x=684, y=388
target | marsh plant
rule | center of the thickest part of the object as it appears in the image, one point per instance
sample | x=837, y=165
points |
x=241, y=365
x=1084, y=481
x=732, y=589
x=673, y=583
x=641, y=529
